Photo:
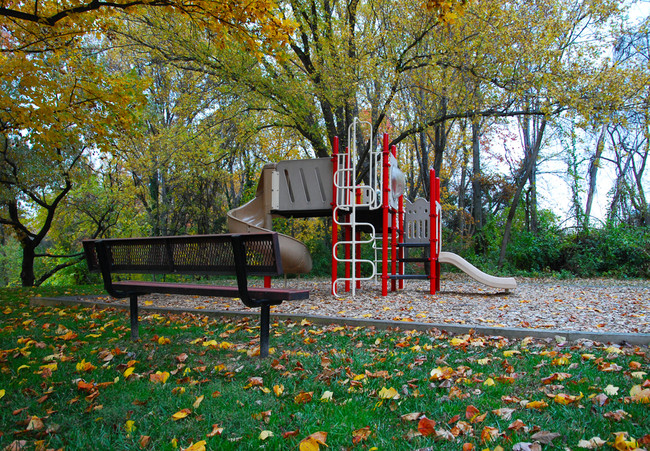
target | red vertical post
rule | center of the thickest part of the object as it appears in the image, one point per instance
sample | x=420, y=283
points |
x=439, y=236
x=335, y=227
x=433, y=222
x=267, y=281
x=393, y=246
x=400, y=232
x=384, y=206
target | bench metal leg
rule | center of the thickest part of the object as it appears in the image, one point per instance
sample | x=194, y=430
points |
x=133, y=304
x=265, y=315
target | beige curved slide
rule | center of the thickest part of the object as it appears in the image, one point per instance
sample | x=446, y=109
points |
x=255, y=217
x=507, y=283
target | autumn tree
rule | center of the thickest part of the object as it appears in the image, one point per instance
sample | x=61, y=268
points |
x=59, y=101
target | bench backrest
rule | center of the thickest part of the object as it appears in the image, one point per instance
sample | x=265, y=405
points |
x=190, y=254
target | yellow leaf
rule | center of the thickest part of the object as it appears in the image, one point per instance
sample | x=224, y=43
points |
x=265, y=434
x=129, y=426
x=2, y=393
x=181, y=414
x=510, y=353
x=278, y=390
x=198, y=446
x=536, y=405
x=22, y=367
x=198, y=401
x=327, y=396
x=313, y=442
x=489, y=382
x=388, y=393
x=163, y=341
x=622, y=444
x=128, y=372
x=84, y=366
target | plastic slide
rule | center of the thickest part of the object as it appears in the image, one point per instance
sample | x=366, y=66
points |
x=255, y=216
x=507, y=283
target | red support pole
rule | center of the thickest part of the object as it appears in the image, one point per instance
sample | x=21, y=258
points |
x=267, y=281
x=400, y=231
x=439, y=236
x=335, y=227
x=384, y=205
x=433, y=221
x=393, y=227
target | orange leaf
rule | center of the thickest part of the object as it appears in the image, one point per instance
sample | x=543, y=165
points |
x=488, y=434
x=303, y=397
x=288, y=434
x=468, y=447
x=360, y=435
x=426, y=426
x=216, y=430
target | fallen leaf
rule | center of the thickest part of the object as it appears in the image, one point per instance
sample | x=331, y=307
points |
x=265, y=434
x=545, y=437
x=360, y=434
x=216, y=430
x=611, y=390
x=303, y=397
x=489, y=433
x=536, y=405
x=504, y=413
x=181, y=414
x=313, y=442
x=278, y=390
x=426, y=426
x=327, y=396
x=198, y=401
x=411, y=416
x=129, y=426
x=159, y=377
x=617, y=415
x=198, y=446
x=35, y=423
x=144, y=441
x=388, y=393
x=592, y=443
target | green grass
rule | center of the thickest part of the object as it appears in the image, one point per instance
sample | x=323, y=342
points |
x=211, y=368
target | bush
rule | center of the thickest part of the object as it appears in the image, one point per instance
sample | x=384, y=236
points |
x=620, y=251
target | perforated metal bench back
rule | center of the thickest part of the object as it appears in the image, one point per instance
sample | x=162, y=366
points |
x=192, y=254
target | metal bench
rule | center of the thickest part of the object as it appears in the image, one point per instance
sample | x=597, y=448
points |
x=239, y=255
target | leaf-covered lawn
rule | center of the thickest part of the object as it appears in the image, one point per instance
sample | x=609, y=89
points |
x=71, y=378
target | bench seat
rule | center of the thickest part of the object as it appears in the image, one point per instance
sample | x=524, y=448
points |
x=271, y=294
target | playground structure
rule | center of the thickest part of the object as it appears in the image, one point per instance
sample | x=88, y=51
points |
x=374, y=213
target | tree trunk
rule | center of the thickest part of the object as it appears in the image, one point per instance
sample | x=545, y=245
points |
x=594, y=164
x=477, y=189
x=27, y=276
x=530, y=162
